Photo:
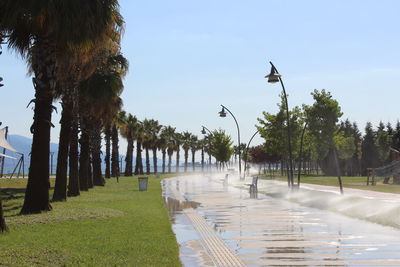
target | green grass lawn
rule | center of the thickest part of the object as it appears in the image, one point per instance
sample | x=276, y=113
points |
x=348, y=182
x=115, y=225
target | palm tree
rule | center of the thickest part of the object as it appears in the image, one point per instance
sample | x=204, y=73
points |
x=129, y=132
x=40, y=31
x=139, y=142
x=155, y=142
x=202, y=145
x=186, y=142
x=74, y=66
x=194, y=146
x=118, y=122
x=165, y=143
x=147, y=142
x=100, y=104
x=107, y=157
x=177, y=144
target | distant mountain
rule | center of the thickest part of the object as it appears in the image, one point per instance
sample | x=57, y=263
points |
x=23, y=144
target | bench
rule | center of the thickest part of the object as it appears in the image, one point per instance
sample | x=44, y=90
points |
x=253, y=185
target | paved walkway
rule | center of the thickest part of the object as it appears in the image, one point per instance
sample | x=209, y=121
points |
x=237, y=229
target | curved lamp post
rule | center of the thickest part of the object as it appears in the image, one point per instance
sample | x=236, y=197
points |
x=247, y=152
x=222, y=114
x=275, y=77
x=301, y=153
x=203, y=131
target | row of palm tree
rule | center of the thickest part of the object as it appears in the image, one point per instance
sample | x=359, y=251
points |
x=151, y=137
x=72, y=51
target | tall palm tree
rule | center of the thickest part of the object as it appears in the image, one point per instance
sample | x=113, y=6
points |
x=147, y=142
x=194, y=146
x=129, y=132
x=118, y=122
x=73, y=67
x=155, y=142
x=139, y=142
x=202, y=145
x=167, y=133
x=107, y=157
x=100, y=104
x=186, y=142
x=177, y=144
x=41, y=30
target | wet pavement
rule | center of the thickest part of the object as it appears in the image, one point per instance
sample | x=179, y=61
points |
x=217, y=222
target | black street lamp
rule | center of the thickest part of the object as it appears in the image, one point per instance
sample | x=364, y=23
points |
x=275, y=77
x=222, y=114
x=247, y=152
x=204, y=131
x=301, y=154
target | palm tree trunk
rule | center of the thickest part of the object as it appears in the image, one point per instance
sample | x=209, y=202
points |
x=147, y=161
x=108, y=146
x=73, y=186
x=139, y=162
x=115, y=152
x=155, y=160
x=177, y=160
x=202, y=159
x=3, y=225
x=186, y=159
x=193, y=160
x=96, y=155
x=60, y=188
x=84, y=156
x=90, y=169
x=169, y=160
x=37, y=191
x=128, y=158
x=164, y=154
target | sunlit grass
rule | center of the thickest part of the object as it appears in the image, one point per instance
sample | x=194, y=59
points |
x=348, y=182
x=108, y=226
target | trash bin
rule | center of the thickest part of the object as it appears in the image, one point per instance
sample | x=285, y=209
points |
x=143, y=183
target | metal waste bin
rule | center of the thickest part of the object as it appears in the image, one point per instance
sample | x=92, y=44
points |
x=143, y=181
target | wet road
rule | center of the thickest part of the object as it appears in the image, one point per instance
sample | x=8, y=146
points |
x=214, y=219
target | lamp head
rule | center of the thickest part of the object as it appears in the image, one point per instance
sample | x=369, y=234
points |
x=203, y=131
x=222, y=113
x=273, y=76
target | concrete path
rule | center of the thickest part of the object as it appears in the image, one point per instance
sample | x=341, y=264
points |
x=239, y=229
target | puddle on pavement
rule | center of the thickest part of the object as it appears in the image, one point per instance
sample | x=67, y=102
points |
x=270, y=231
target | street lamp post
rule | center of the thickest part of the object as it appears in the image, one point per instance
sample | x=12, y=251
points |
x=222, y=114
x=275, y=77
x=247, y=152
x=204, y=130
x=301, y=153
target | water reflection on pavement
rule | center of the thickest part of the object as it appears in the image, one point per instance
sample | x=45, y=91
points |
x=270, y=231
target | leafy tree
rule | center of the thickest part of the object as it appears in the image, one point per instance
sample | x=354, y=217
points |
x=369, y=151
x=273, y=128
x=221, y=146
x=322, y=118
x=383, y=142
x=345, y=145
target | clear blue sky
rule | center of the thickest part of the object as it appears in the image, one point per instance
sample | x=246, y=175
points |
x=188, y=57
